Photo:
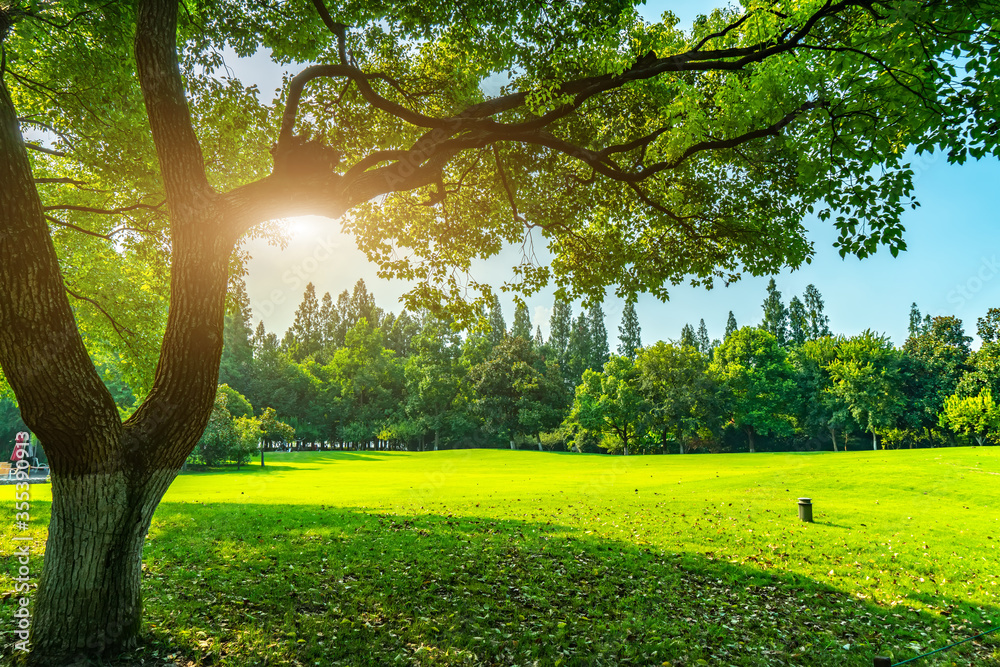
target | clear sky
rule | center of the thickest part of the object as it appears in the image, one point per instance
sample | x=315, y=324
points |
x=952, y=266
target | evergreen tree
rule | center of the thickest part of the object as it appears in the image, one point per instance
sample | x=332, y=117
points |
x=775, y=314
x=237, y=350
x=819, y=324
x=731, y=326
x=560, y=327
x=342, y=322
x=539, y=341
x=362, y=305
x=498, y=327
x=600, y=353
x=399, y=332
x=704, y=343
x=328, y=320
x=522, y=322
x=263, y=341
x=305, y=337
x=579, y=351
x=688, y=338
x=629, y=333
x=916, y=326
x=798, y=321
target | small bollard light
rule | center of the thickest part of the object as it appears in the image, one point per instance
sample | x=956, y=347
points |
x=805, y=510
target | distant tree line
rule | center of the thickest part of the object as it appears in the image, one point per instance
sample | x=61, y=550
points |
x=349, y=375
x=789, y=383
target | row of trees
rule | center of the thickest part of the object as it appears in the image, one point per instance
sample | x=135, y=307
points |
x=348, y=374
x=807, y=390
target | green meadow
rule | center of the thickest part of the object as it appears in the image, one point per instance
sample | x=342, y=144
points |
x=491, y=557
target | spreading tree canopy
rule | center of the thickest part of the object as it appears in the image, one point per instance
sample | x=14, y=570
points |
x=132, y=164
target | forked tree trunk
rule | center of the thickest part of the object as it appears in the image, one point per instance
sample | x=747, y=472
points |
x=833, y=436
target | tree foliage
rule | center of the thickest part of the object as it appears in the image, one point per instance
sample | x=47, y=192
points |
x=754, y=371
x=973, y=416
x=629, y=332
x=641, y=155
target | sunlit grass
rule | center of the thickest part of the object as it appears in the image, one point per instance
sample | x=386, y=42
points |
x=499, y=557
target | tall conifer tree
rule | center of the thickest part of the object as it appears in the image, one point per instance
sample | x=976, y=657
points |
x=798, y=322
x=522, y=322
x=701, y=338
x=688, y=338
x=498, y=326
x=237, y=350
x=305, y=336
x=731, y=326
x=560, y=327
x=775, y=314
x=600, y=353
x=629, y=333
x=819, y=324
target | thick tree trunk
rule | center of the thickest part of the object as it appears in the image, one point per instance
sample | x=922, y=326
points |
x=833, y=436
x=538, y=437
x=750, y=434
x=89, y=601
x=874, y=441
x=512, y=444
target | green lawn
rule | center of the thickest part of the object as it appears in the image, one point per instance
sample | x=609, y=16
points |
x=507, y=558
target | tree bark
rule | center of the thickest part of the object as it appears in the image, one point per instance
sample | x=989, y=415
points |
x=512, y=444
x=437, y=439
x=89, y=601
x=750, y=435
x=833, y=437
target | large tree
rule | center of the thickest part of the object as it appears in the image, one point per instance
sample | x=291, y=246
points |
x=611, y=406
x=866, y=377
x=757, y=381
x=682, y=395
x=434, y=376
x=641, y=154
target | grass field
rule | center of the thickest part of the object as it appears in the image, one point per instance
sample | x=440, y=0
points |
x=520, y=558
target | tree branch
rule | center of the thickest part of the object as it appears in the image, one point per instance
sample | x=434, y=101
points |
x=120, y=329
x=337, y=28
x=65, y=181
x=105, y=211
x=178, y=151
x=43, y=149
x=63, y=223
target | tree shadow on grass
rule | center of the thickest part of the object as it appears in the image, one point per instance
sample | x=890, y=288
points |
x=264, y=584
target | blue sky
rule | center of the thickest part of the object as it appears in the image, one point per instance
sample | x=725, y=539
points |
x=951, y=267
